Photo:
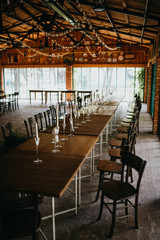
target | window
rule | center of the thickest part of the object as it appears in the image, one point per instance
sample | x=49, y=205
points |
x=24, y=79
x=122, y=81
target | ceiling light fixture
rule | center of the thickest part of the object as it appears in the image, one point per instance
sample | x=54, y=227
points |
x=99, y=7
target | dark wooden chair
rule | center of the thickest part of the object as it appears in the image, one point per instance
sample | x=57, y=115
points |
x=19, y=216
x=48, y=118
x=53, y=112
x=16, y=103
x=39, y=121
x=7, y=134
x=122, y=192
x=29, y=128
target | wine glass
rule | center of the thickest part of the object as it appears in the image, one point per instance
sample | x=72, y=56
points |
x=78, y=117
x=88, y=114
x=37, y=161
x=83, y=121
x=75, y=116
x=64, y=139
x=71, y=128
x=56, y=140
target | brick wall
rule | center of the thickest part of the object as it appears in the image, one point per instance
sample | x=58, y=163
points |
x=157, y=97
x=149, y=88
x=1, y=78
x=68, y=81
x=145, y=85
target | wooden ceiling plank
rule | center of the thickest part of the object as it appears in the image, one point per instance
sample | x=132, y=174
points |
x=30, y=14
x=118, y=10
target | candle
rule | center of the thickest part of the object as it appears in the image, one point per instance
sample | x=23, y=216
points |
x=64, y=120
x=57, y=114
x=36, y=131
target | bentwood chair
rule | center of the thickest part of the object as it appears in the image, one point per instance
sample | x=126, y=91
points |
x=29, y=128
x=39, y=121
x=53, y=112
x=48, y=118
x=7, y=134
x=19, y=216
x=122, y=192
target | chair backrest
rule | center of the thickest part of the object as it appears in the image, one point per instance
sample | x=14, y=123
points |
x=132, y=162
x=16, y=213
x=48, y=118
x=28, y=124
x=6, y=132
x=38, y=119
x=53, y=112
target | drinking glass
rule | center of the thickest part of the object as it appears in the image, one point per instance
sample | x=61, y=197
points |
x=37, y=161
x=78, y=116
x=71, y=128
x=83, y=121
x=75, y=116
x=56, y=140
x=88, y=114
x=64, y=139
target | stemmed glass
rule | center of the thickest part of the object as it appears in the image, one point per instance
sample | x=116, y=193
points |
x=64, y=139
x=88, y=113
x=71, y=128
x=37, y=161
x=75, y=116
x=78, y=116
x=56, y=140
x=83, y=121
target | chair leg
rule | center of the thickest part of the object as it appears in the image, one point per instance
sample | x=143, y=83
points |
x=101, y=176
x=113, y=219
x=101, y=207
x=136, y=213
x=126, y=208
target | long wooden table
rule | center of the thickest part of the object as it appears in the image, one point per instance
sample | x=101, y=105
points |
x=44, y=93
x=53, y=176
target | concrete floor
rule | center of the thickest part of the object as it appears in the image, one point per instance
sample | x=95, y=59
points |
x=84, y=225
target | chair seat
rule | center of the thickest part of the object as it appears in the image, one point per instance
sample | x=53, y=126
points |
x=117, y=190
x=115, y=143
x=19, y=223
x=122, y=129
x=115, y=152
x=124, y=124
x=127, y=120
x=109, y=166
x=121, y=136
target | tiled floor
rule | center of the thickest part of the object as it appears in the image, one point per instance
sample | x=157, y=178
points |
x=84, y=225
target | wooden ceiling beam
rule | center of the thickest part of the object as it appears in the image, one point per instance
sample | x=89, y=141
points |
x=33, y=6
x=144, y=21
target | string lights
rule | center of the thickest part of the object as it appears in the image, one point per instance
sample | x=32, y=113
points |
x=62, y=47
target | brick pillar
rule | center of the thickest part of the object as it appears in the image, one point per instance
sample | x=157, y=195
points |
x=68, y=81
x=149, y=88
x=145, y=85
x=157, y=97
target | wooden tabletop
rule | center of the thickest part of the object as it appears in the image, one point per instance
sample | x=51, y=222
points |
x=92, y=128
x=76, y=145
x=17, y=171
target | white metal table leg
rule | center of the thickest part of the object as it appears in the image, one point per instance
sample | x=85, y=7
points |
x=101, y=138
x=79, y=185
x=53, y=219
x=107, y=134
